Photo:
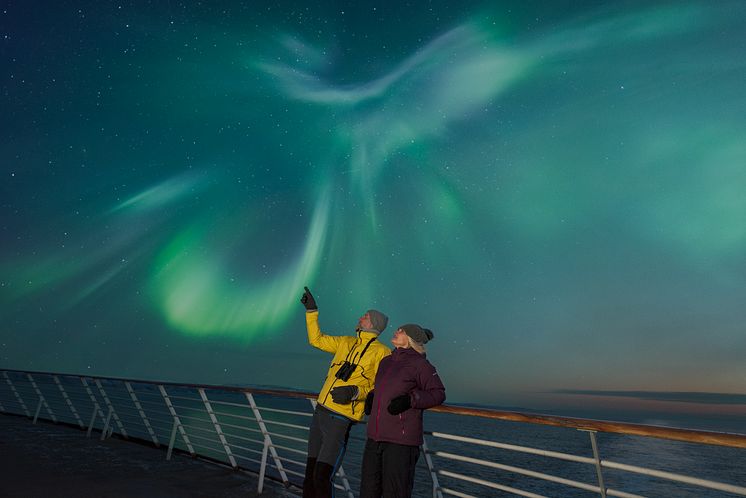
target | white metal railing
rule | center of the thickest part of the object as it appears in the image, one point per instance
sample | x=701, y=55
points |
x=597, y=489
x=265, y=431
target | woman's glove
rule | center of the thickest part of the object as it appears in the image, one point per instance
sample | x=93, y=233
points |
x=399, y=404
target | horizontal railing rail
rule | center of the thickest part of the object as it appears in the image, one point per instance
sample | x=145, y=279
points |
x=266, y=430
x=629, y=429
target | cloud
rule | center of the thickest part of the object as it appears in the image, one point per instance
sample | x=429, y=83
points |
x=670, y=396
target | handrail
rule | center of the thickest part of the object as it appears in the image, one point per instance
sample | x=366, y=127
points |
x=732, y=440
x=729, y=439
x=253, y=390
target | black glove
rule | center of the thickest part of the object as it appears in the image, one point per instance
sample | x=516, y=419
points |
x=400, y=404
x=369, y=403
x=343, y=395
x=308, y=301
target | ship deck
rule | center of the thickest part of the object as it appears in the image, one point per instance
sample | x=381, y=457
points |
x=56, y=460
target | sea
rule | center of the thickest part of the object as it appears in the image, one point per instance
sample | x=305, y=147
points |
x=717, y=463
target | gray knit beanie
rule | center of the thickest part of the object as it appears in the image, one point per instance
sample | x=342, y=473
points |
x=417, y=333
x=378, y=319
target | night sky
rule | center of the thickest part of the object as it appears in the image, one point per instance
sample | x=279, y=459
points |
x=556, y=189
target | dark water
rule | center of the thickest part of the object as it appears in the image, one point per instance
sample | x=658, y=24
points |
x=245, y=440
x=727, y=465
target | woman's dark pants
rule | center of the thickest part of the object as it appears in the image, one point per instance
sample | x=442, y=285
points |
x=388, y=470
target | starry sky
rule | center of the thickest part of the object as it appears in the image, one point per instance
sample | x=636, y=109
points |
x=556, y=189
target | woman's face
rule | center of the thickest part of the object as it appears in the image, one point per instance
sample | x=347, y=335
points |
x=400, y=339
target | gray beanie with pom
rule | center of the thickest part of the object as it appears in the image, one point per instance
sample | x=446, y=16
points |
x=417, y=333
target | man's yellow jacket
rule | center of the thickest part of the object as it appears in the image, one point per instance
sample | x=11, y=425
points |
x=347, y=348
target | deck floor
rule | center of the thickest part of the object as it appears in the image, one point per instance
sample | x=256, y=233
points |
x=59, y=461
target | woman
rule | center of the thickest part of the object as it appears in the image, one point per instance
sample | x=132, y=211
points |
x=406, y=384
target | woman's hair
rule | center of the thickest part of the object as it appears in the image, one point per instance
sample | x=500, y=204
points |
x=420, y=348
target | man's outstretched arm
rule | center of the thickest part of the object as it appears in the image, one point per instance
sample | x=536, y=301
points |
x=316, y=338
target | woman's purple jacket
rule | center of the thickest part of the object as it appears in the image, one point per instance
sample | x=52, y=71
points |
x=404, y=371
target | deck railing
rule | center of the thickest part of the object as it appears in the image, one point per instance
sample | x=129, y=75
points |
x=265, y=431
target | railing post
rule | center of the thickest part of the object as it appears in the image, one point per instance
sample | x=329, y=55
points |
x=345, y=482
x=38, y=409
x=218, y=429
x=43, y=400
x=267, y=440
x=597, y=457
x=263, y=466
x=111, y=409
x=68, y=401
x=96, y=406
x=15, y=392
x=172, y=440
x=177, y=421
x=93, y=419
x=431, y=467
x=104, y=432
x=142, y=414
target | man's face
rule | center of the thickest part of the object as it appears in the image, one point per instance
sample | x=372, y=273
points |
x=364, y=322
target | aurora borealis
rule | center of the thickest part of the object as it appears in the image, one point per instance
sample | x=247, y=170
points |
x=557, y=189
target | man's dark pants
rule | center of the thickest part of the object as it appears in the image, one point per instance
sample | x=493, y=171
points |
x=327, y=443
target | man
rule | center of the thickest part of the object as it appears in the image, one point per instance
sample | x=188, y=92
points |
x=341, y=401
